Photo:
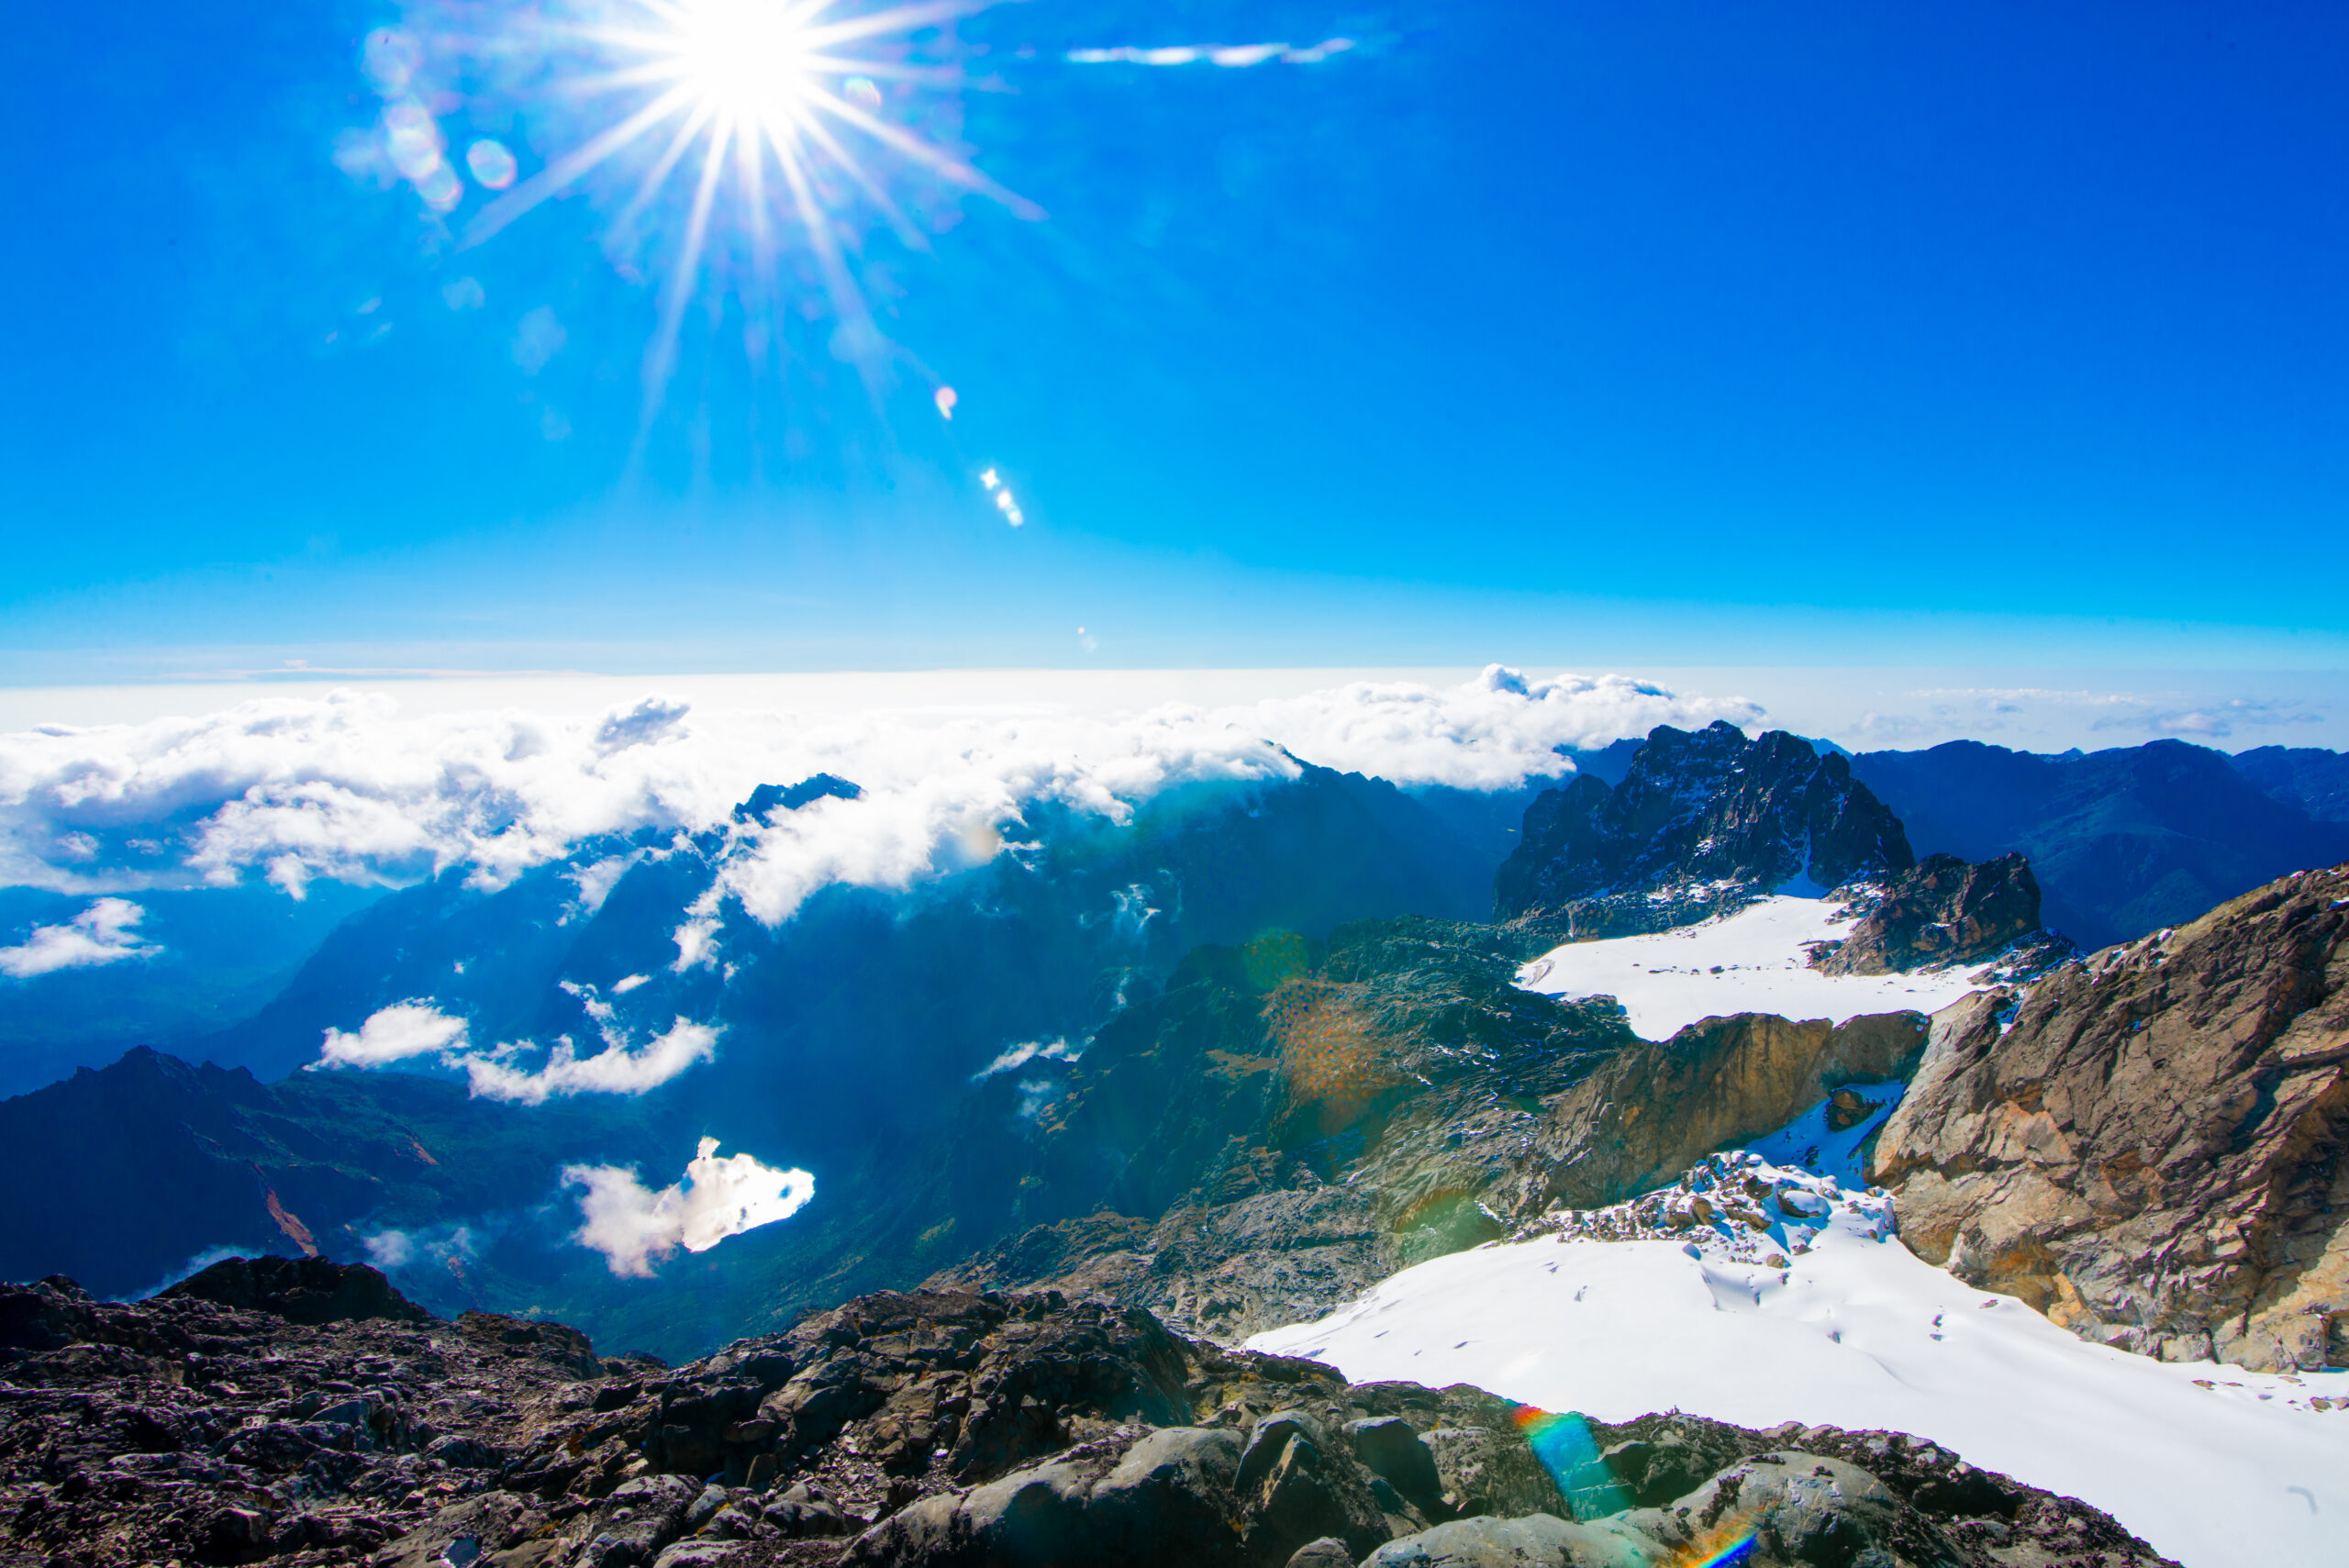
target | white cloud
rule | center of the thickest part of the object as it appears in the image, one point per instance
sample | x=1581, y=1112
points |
x=634, y=1226
x=617, y=1069
x=408, y=1031
x=649, y=722
x=292, y=788
x=1018, y=1056
x=100, y=934
x=398, y=1033
x=1493, y=732
x=453, y=1245
x=596, y=880
x=1230, y=56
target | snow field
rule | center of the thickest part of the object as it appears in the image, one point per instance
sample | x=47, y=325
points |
x=2215, y=1466
x=1749, y=962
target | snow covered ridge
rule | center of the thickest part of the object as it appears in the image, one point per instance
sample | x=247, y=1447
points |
x=295, y=788
x=1768, y=1287
x=1755, y=959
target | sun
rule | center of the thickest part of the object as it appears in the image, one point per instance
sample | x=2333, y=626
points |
x=745, y=58
x=782, y=125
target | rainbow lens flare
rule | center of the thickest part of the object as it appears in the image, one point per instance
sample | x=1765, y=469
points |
x=1568, y=1450
x=1719, y=1550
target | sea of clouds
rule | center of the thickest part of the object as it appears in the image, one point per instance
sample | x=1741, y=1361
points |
x=295, y=788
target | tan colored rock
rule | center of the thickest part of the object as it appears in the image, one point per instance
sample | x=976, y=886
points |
x=2155, y=1150
x=1654, y=1110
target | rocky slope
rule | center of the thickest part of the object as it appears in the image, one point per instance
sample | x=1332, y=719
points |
x=1289, y=1121
x=899, y=1430
x=1701, y=823
x=2152, y=1147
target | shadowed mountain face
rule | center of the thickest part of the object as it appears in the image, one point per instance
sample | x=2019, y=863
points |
x=1701, y=822
x=196, y=961
x=849, y=1040
x=2316, y=781
x=2123, y=842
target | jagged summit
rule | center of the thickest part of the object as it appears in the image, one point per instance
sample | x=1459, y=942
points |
x=770, y=797
x=1702, y=823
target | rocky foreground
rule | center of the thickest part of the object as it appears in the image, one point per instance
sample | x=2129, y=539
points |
x=305, y=1413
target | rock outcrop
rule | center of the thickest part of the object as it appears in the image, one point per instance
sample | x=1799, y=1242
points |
x=1701, y=823
x=1649, y=1113
x=1942, y=911
x=900, y=1431
x=2154, y=1148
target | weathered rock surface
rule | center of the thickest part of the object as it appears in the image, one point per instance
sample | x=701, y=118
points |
x=900, y=1431
x=1942, y=911
x=314, y=1416
x=1702, y=823
x=1649, y=1113
x=2151, y=1150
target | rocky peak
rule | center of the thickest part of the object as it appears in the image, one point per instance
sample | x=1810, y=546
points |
x=2153, y=1146
x=301, y=1290
x=1702, y=823
x=769, y=798
x=1942, y=911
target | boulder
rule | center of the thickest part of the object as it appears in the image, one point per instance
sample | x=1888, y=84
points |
x=1537, y=1540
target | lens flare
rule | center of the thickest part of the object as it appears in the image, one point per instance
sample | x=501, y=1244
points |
x=1726, y=1546
x=757, y=139
x=1569, y=1452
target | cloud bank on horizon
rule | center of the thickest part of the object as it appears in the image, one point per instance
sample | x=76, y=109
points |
x=292, y=789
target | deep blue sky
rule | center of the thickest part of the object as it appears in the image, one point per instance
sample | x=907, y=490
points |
x=1684, y=332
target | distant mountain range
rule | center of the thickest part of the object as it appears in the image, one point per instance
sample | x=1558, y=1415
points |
x=1254, y=1013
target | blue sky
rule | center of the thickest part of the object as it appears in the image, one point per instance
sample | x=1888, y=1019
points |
x=1685, y=333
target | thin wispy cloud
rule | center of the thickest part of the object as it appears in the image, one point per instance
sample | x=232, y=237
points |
x=1230, y=56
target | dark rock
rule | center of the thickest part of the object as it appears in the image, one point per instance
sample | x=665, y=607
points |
x=1940, y=912
x=1710, y=820
x=1801, y=1508
x=1536, y=1541
x=1390, y=1448
x=301, y=1290
x=2124, y=842
x=994, y=1428
x=1486, y=1469
x=769, y=798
